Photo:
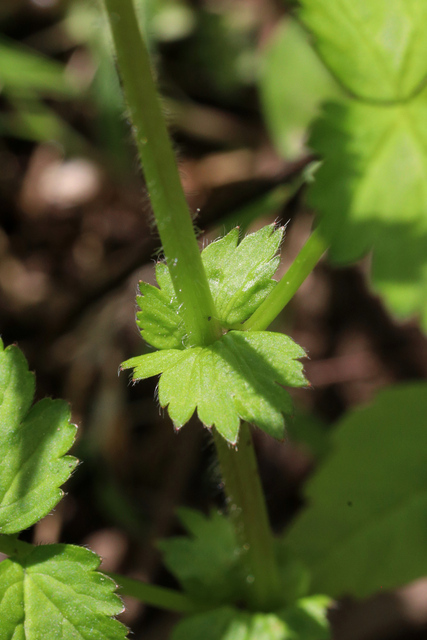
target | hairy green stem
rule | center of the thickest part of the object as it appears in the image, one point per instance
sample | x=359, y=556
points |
x=154, y=596
x=247, y=508
x=192, y=290
x=162, y=178
x=301, y=267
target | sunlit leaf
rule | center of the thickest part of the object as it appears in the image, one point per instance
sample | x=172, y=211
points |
x=237, y=377
x=371, y=193
x=33, y=444
x=55, y=592
x=239, y=276
x=159, y=319
x=378, y=50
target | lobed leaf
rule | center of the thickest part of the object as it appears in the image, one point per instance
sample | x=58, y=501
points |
x=365, y=527
x=158, y=318
x=55, y=592
x=207, y=564
x=306, y=620
x=379, y=200
x=33, y=444
x=240, y=275
x=378, y=50
x=237, y=377
x=240, y=278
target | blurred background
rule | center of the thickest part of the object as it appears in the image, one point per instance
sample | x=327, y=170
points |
x=240, y=86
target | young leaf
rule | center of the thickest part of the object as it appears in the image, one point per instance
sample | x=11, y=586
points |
x=33, y=444
x=364, y=528
x=240, y=278
x=55, y=592
x=378, y=50
x=306, y=620
x=159, y=319
x=207, y=564
x=380, y=199
x=240, y=275
x=236, y=377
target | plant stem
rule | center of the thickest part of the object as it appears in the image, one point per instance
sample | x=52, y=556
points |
x=192, y=290
x=155, y=596
x=301, y=267
x=263, y=205
x=247, y=508
x=161, y=174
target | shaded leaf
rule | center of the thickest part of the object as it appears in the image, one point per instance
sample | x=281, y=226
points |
x=365, y=526
x=310, y=433
x=306, y=620
x=236, y=377
x=55, y=592
x=370, y=193
x=378, y=50
x=33, y=444
x=207, y=563
x=292, y=85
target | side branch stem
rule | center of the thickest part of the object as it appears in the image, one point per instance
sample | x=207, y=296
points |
x=246, y=505
x=301, y=267
x=161, y=174
x=155, y=596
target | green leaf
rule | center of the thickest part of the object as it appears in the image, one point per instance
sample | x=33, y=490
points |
x=370, y=192
x=306, y=620
x=236, y=377
x=55, y=592
x=225, y=623
x=33, y=444
x=365, y=525
x=240, y=278
x=289, y=104
x=159, y=319
x=207, y=564
x=210, y=563
x=311, y=433
x=378, y=50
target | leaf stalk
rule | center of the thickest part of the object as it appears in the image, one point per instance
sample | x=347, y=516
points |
x=154, y=595
x=286, y=288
